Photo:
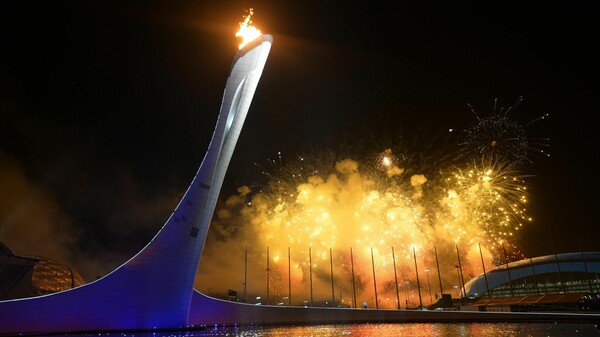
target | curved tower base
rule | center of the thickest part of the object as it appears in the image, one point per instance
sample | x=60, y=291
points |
x=153, y=290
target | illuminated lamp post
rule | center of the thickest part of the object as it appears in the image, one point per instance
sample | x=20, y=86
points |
x=353, y=282
x=396, y=279
x=429, y=287
x=460, y=293
x=417, y=274
x=460, y=275
x=374, y=279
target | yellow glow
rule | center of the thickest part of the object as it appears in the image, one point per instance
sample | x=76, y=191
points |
x=354, y=206
x=247, y=31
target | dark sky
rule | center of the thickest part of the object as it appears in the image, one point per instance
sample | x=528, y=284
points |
x=107, y=107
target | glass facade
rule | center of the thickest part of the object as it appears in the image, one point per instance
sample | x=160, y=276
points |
x=23, y=276
x=50, y=277
x=568, y=282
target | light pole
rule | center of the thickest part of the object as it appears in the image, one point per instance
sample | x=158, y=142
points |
x=268, y=270
x=461, y=280
x=353, y=284
x=395, y=279
x=460, y=293
x=418, y=283
x=374, y=280
x=310, y=268
x=406, y=293
x=332, y=290
x=429, y=287
x=245, y=274
x=289, y=277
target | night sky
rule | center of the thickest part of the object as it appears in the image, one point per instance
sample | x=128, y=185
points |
x=107, y=107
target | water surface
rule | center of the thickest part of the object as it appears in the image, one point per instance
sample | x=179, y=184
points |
x=386, y=330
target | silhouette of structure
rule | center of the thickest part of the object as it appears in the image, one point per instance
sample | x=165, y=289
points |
x=153, y=290
x=27, y=276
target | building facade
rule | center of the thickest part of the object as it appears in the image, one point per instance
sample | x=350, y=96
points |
x=551, y=274
x=28, y=276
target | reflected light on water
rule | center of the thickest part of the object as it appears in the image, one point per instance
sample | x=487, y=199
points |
x=385, y=330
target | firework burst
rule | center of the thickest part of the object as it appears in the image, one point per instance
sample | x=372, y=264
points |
x=331, y=204
x=485, y=202
x=351, y=205
x=500, y=137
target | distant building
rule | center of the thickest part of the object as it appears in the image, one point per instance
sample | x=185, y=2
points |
x=24, y=276
x=561, y=282
x=550, y=274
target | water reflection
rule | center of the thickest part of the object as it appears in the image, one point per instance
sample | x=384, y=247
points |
x=385, y=330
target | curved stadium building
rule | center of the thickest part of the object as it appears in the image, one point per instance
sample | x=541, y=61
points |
x=550, y=274
x=562, y=281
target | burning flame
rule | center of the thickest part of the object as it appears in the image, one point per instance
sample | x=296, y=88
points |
x=247, y=31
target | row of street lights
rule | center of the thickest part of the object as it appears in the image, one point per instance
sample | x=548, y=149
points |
x=289, y=297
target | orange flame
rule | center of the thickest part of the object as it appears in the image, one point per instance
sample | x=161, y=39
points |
x=247, y=31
